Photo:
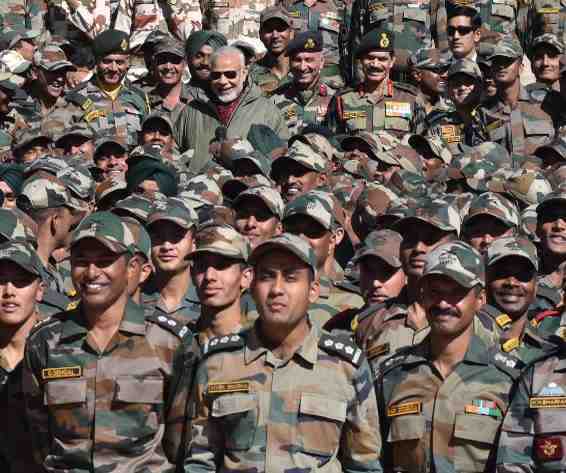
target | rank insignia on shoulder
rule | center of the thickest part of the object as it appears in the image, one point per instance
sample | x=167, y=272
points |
x=510, y=345
x=547, y=402
x=169, y=324
x=72, y=305
x=405, y=408
x=378, y=350
x=483, y=408
x=87, y=105
x=503, y=320
x=548, y=448
x=95, y=114
x=344, y=349
x=64, y=372
x=228, y=387
x=226, y=342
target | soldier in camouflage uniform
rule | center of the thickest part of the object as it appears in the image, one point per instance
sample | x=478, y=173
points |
x=23, y=16
x=545, y=55
x=461, y=125
x=220, y=275
x=170, y=291
x=107, y=103
x=312, y=217
x=321, y=414
x=142, y=254
x=104, y=365
x=378, y=103
x=77, y=140
x=21, y=289
x=514, y=118
x=275, y=32
x=81, y=20
x=490, y=216
x=305, y=100
x=441, y=402
x=10, y=119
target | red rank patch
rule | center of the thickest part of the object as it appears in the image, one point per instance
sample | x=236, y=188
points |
x=548, y=448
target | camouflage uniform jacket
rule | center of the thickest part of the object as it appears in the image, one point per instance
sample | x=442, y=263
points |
x=302, y=108
x=81, y=20
x=235, y=20
x=139, y=18
x=188, y=311
x=547, y=16
x=107, y=411
x=199, y=120
x=156, y=103
x=12, y=121
x=431, y=424
x=532, y=436
x=23, y=15
x=504, y=18
x=54, y=302
x=261, y=73
x=395, y=111
x=53, y=121
x=121, y=117
x=255, y=412
x=521, y=130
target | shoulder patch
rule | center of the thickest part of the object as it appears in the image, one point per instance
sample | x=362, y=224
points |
x=73, y=305
x=51, y=320
x=342, y=347
x=79, y=99
x=508, y=363
x=169, y=324
x=225, y=343
x=537, y=319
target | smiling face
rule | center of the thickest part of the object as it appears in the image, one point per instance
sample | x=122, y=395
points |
x=275, y=34
x=227, y=77
x=306, y=68
x=377, y=66
x=112, y=69
x=255, y=221
x=19, y=293
x=52, y=83
x=168, y=68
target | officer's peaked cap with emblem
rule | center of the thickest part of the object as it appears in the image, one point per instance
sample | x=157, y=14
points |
x=307, y=42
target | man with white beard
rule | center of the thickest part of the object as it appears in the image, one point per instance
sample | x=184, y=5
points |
x=228, y=110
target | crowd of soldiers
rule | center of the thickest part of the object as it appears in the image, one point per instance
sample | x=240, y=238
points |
x=362, y=198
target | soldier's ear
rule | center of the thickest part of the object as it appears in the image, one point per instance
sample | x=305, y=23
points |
x=338, y=235
x=247, y=277
x=278, y=229
x=314, y=290
x=40, y=291
x=416, y=75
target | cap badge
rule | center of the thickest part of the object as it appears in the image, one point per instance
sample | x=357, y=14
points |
x=384, y=40
x=310, y=44
x=124, y=45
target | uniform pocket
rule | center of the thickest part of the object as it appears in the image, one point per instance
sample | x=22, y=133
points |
x=538, y=131
x=66, y=401
x=320, y=423
x=238, y=416
x=405, y=434
x=414, y=14
x=474, y=437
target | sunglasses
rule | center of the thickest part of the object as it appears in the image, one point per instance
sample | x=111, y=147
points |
x=214, y=75
x=462, y=30
x=438, y=69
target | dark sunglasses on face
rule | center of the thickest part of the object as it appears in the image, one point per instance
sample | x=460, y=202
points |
x=462, y=30
x=438, y=69
x=214, y=75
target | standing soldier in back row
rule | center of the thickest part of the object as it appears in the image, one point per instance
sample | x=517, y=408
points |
x=378, y=103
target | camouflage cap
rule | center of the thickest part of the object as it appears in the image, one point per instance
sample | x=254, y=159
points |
x=458, y=261
x=556, y=148
x=302, y=154
x=215, y=215
x=548, y=39
x=142, y=240
x=12, y=61
x=315, y=204
x=430, y=58
x=260, y=161
x=232, y=188
x=435, y=212
x=383, y=244
x=135, y=205
x=51, y=164
x=434, y=143
x=108, y=229
x=294, y=244
x=306, y=41
x=375, y=198
x=23, y=255
x=467, y=67
x=114, y=187
x=170, y=46
x=512, y=246
x=507, y=47
x=268, y=195
x=372, y=140
x=557, y=197
x=319, y=143
x=76, y=129
x=173, y=209
x=52, y=58
x=527, y=186
x=278, y=12
x=221, y=240
x=158, y=116
x=490, y=203
x=25, y=136
x=45, y=193
x=78, y=179
x=15, y=225
x=104, y=140
x=529, y=223
x=202, y=189
x=8, y=82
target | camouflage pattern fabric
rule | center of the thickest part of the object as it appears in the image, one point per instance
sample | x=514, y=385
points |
x=317, y=410
x=23, y=15
x=82, y=19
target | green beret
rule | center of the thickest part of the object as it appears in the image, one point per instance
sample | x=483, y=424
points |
x=199, y=38
x=144, y=168
x=375, y=40
x=307, y=41
x=13, y=175
x=110, y=42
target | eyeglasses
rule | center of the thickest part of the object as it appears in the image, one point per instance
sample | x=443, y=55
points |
x=438, y=69
x=214, y=75
x=462, y=30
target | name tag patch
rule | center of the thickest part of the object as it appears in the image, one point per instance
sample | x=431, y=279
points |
x=547, y=402
x=65, y=372
x=378, y=350
x=223, y=388
x=405, y=408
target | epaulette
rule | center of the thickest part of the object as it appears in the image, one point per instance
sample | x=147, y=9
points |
x=169, y=324
x=537, y=319
x=342, y=347
x=74, y=97
x=225, y=343
x=341, y=321
x=56, y=299
x=364, y=314
x=406, y=87
x=394, y=360
x=549, y=293
x=507, y=363
x=52, y=320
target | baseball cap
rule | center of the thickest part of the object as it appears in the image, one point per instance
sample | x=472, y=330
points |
x=173, y=209
x=374, y=143
x=490, y=203
x=301, y=248
x=135, y=205
x=221, y=240
x=16, y=225
x=14, y=62
x=458, y=261
x=548, y=39
x=106, y=228
x=169, y=45
x=436, y=212
x=275, y=12
x=23, y=255
x=465, y=66
x=552, y=198
x=383, y=244
x=45, y=192
x=507, y=47
x=52, y=58
x=315, y=204
x=25, y=136
x=142, y=240
x=430, y=58
x=303, y=154
x=512, y=246
x=268, y=195
x=202, y=189
x=8, y=82
x=157, y=116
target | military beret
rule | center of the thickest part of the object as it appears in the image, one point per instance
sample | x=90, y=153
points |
x=375, y=40
x=110, y=42
x=307, y=41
